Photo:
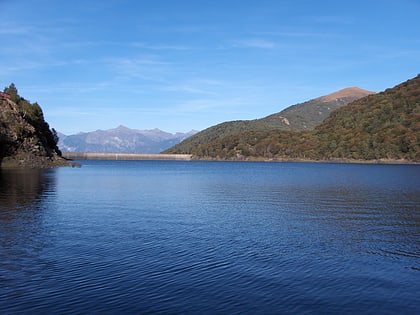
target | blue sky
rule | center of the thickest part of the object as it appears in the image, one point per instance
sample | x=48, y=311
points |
x=179, y=65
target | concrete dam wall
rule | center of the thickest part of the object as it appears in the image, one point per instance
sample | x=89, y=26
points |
x=124, y=156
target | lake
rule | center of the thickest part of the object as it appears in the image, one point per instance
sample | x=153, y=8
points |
x=170, y=237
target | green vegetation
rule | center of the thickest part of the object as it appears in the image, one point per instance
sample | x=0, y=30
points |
x=304, y=116
x=33, y=115
x=380, y=126
x=25, y=137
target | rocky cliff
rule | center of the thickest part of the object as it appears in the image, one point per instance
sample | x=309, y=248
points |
x=25, y=138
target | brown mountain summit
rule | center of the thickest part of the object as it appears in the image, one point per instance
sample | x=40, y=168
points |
x=303, y=116
x=383, y=127
x=351, y=92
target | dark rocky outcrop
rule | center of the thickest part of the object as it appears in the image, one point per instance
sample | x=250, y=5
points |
x=25, y=138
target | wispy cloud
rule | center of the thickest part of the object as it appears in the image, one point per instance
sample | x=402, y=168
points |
x=297, y=34
x=144, y=67
x=69, y=87
x=333, y=19
x=254, y=43
x=14, y=30
x=195, y=86
x=160, y=46
x=208, y=105
x=186, y=88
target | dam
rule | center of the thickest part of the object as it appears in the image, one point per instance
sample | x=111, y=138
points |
x=124, y=156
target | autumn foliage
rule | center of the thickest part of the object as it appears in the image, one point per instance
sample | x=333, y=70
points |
x=381, y=126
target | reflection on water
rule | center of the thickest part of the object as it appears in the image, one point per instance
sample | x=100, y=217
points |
x=20, y=188
x=192, y=237
x=23, y=193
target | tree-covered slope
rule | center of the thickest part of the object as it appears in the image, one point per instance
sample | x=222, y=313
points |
x=386, y=125
x=304, y=116
x=381, y=126
x=25, y=137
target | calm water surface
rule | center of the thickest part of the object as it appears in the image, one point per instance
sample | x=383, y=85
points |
x=165, y=237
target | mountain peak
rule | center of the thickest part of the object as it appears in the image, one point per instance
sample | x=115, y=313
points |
x=121, y=140
x=303, y=116
x=121, y=127
x=349, y=92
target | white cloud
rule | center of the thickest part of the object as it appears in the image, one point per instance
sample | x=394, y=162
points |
x=145, y=67
x=195, y=86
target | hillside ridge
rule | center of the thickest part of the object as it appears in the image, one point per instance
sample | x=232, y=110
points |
x=302, y=116
x=379, y=127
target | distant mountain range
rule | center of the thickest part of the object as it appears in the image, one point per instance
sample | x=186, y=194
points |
x=121, y=140
x=303, y=116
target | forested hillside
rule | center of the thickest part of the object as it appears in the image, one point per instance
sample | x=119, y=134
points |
x=25, y=137
x=304, y=116
x=381, y=126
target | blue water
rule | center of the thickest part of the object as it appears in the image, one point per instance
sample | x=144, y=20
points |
x=167, y=237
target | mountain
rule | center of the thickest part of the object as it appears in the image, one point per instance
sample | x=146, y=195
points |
x=383, y=126
x=304, y=116
x=25, y=137
x=121, y=140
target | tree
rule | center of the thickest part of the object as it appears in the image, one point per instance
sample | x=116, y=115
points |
x=55, y=136
x=13, y=92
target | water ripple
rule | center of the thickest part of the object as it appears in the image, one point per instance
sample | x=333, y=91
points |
x=215, y=238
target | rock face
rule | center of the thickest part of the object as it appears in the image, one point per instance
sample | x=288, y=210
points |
x=25, y=138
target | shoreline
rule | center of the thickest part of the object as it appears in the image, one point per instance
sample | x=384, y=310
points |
x=350, y=161
x=124, y=156
x=300, y=160
x=190, y=157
